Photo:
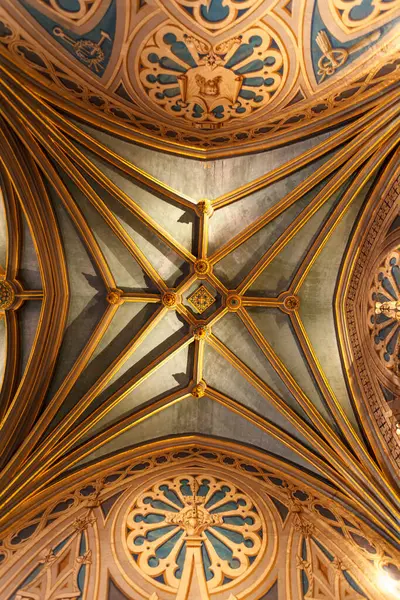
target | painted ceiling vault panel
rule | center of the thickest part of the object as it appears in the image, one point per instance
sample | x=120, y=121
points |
x=200, y=76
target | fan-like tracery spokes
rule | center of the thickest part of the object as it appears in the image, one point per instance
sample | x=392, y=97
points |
x=225, y=519
x=385, y=312
x=297, y=541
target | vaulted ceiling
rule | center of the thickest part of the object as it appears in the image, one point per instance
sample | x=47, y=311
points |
x=150, y=298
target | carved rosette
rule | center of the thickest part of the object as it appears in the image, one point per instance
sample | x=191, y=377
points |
x=7, y=295
x=143, y=520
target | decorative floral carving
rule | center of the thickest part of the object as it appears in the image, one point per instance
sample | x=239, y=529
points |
x=291, y=303
x=194, y=518
x=204, y=207
x=82, y=523
x=385, y=424
x=223, y=505
x=169, y=299
x=202, y=267
x=115, y=297
x=201, y=333
x=233, y=302
x=22, y=47
x=199, y=390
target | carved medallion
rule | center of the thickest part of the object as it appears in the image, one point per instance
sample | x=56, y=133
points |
x=210, y=85
x=219, y=519
x=201, y=299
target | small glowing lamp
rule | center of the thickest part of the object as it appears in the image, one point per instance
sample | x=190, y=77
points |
x=388, y=585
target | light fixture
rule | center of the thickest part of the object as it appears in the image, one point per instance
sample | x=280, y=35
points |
x=389, y=585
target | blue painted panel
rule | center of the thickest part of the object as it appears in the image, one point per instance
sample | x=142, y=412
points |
x=82, y=46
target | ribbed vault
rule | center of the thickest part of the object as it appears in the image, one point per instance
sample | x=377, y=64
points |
x=147, y=298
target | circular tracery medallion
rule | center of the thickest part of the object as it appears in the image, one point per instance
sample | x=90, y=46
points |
x=384, y=311
x=169, y=519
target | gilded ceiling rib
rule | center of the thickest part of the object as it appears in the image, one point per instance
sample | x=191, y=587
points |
x=11, y=371
x=126, y=201
x=139, y=175
x=71, y=207
x=40, y=427
x=46, y=448
x=140, y=297
x=13, y=224
x=56, y=151
x=49, y=434
x=300, y=275
x=262, y=301
x=323, y=236
x=98, y=176
x=341, y=159
x=39, y=214
x=340, y=177
x=378, y=198
x=39, y=124
x=122, y=392
x=326, y=431
x=359, y=480
x=37, y=478
x=342, y=481
x=301, y=334
x=299, y=162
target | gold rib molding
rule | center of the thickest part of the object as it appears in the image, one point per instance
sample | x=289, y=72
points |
x=40, y=147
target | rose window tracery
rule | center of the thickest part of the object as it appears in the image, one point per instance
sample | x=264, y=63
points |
x=384, y=314
x=166, y=520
